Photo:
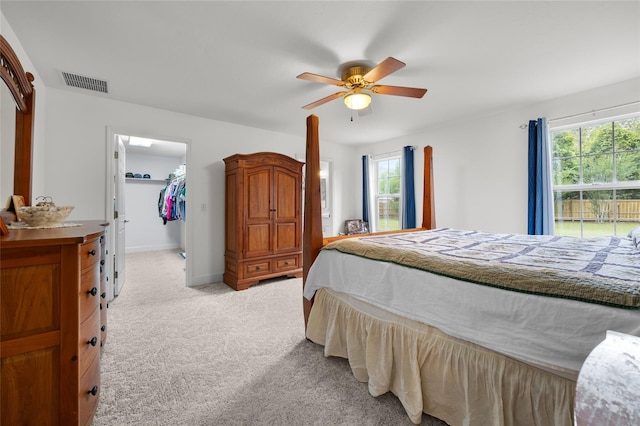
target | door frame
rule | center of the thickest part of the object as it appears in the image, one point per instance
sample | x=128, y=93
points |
x=110, y=133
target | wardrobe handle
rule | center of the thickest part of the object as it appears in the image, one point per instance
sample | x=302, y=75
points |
x=93, y=341
x=93, y=391
x=93, y=291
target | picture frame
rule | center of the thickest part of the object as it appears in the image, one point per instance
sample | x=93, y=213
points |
x=15, y=203
x=356, y=226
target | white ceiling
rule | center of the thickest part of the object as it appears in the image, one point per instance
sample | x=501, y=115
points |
x=158, y=147
x=237, y=61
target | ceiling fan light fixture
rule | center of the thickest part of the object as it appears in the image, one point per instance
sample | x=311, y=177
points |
x=357, y=100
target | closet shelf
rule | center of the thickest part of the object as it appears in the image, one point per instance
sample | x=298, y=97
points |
x=145, y=180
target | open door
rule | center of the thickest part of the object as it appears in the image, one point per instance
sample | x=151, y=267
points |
x=119, y=216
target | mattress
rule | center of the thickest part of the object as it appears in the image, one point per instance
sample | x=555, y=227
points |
x=554, y=334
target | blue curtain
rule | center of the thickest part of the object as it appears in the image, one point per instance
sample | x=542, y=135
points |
x=365, y=189
x=408, y=190
x=540, y=220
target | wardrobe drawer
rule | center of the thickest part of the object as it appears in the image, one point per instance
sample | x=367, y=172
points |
x=286, y=263
x=257, y=268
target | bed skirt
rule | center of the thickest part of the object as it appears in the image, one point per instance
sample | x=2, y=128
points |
x=456, y=381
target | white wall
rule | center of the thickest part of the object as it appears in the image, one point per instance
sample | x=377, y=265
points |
x=480, y=163
x=75, y=169
x=145, y=229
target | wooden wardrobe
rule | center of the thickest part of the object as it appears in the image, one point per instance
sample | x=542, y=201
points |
x=263, y=218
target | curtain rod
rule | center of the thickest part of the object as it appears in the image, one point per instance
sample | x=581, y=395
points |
x=397, y=151
x=594, y=111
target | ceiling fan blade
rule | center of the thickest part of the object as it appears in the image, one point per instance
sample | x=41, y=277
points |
x=383, y=69
x=411, y=92
x=320, y=79
x=325, y=100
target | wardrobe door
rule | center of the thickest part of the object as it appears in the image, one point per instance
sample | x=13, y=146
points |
x=287, y=224
x=258, y=211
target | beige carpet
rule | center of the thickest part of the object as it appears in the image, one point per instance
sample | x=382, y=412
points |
x=213, y=356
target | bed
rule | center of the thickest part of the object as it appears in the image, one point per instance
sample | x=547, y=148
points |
x=470, y=327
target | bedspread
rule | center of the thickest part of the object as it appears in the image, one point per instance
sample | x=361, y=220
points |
x=603, y=270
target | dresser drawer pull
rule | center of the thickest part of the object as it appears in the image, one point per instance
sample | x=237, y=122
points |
x=286, y=262
x=93, y=291
x=92, y=253
x=102, y=262
x=257, y=268
x=103, y=295
x=103, y=328
x=93, y=341
x=93, y=391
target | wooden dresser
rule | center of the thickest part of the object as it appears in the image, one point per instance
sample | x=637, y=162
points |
x=263, y=218
x=50, y=292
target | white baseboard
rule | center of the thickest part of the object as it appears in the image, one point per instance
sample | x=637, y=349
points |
x=206, y=279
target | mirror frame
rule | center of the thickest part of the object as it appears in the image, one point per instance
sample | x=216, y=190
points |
x=20, y=85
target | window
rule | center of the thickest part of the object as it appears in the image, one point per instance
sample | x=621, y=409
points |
x=388, y=200
x=596, y=177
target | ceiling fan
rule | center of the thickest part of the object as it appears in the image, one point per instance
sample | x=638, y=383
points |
x=359, y=80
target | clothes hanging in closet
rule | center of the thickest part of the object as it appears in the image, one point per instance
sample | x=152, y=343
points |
x=172, y=203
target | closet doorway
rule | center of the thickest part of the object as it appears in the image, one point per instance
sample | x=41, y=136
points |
x=148, y=199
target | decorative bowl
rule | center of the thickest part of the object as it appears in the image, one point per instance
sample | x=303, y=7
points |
x=44, y=215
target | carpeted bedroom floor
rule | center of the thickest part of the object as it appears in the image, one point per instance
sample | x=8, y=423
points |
x=213, y=356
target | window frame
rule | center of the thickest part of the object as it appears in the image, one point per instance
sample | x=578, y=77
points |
x=582, y=187
x=376, y=160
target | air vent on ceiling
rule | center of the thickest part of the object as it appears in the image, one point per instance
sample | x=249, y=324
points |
x=82, y=82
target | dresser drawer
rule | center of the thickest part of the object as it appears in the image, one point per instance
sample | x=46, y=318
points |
x=257, y=268
x=89, y=253
x=103, y=257
x=89, y=392
x=286, y=263
x=103, y=322
x=89, y=343
x=89, y=291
